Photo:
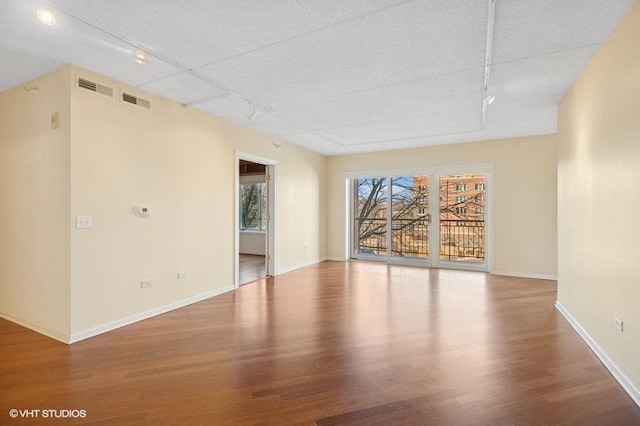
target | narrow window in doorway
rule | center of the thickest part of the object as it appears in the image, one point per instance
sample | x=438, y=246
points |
x=253, y=207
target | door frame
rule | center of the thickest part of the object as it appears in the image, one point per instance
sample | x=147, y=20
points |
x=271, y=207
x=434, y=207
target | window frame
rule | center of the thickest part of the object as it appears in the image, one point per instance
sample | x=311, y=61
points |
x=434, y=172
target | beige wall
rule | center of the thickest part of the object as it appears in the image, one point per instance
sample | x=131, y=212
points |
x=598, y=188
x=524, y=196
x=34, y=205
x=180, y=162
x=108, y=157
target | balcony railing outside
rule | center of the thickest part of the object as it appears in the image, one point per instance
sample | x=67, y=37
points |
x=460, y=240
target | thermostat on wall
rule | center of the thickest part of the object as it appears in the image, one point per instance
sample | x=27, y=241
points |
x=142, y=210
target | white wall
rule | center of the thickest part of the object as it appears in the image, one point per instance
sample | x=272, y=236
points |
x=34, y=205
x=253, y=242
x=598, y=188
x=524, y=196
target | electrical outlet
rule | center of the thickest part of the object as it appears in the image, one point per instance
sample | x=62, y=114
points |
x=617, y=322
x=182, y=275
x=84, y=222
x=146, y=283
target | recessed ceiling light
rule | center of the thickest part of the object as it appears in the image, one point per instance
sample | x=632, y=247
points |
x=141, y=57
x=46, y=16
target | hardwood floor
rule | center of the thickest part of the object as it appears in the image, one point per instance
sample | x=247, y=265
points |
x=252, y=267
x=336, y=343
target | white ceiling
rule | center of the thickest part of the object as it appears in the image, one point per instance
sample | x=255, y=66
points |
x=334, y=76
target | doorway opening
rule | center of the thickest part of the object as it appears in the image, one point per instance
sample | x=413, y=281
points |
x=254, y=219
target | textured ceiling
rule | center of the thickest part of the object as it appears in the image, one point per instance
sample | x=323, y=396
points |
x=335, y=76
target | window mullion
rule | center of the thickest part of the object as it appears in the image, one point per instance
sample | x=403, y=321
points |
x=389, y=217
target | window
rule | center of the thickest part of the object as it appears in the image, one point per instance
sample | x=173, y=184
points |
x=391, y=218
x=253, y=207
x=479, y=186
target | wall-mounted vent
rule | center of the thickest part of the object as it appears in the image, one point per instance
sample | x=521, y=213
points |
x=126, y=97
x=83, y=83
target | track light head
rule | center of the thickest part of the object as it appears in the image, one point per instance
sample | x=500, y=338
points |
x=253, y=112
x=140, y=57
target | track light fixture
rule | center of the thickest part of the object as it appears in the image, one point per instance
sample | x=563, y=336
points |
x=140, y=57
x=253, y=112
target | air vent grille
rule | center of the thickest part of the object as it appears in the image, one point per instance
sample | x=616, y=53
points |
x=86, y=84
x=126, y=97
x=129, y=98
x=83, y=83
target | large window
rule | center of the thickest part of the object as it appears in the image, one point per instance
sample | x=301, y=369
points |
x=462, y=217
x=398, y=229
x=253, y=206
x=398, y=218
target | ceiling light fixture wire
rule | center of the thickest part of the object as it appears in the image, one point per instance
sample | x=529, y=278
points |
x=487, y=62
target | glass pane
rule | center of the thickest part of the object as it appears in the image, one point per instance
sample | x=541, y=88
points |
x=249, y=207
x=410, y=216
x=462, y=206
x=370, y=216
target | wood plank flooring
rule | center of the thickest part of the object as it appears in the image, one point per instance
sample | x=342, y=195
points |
x=252, y=267
x=332, y=344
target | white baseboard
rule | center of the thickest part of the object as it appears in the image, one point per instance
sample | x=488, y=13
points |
x=92, y=332
x=526, y=275
x=298, y=266
x=624, y=381
x=336, y=259
x=62, y=337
